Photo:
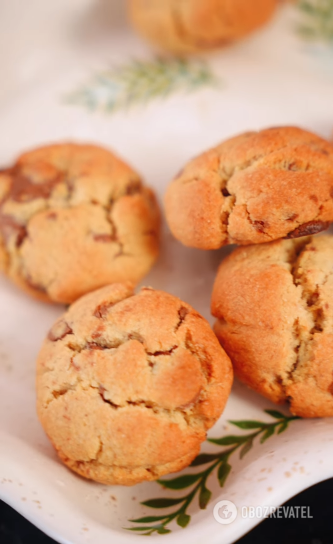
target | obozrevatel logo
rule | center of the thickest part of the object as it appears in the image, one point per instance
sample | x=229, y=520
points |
x=225, y=512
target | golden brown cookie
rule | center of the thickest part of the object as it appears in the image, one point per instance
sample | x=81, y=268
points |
x=72, y=219
x=274, y=309
x=254, y=188
x=127, y=385
x=188, y=26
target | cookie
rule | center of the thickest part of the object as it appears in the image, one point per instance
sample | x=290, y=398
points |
x=74, y=218
x=189, y=26
x=254, y=188
x=127, y=385
x=274, y=309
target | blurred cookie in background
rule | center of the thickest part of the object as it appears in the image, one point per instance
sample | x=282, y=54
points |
x=189, y=26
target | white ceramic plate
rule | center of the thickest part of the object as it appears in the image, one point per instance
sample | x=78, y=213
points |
x=56, y=50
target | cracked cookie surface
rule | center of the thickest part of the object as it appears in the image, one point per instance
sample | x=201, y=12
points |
x=274, y=312
x=127, y=385
x=254, y=188
x=74, y=218
x=187, y=26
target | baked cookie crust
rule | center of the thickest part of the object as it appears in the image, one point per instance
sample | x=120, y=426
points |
x=73, y=218
x=128, y=385
x=274, y=310
x=254, y=188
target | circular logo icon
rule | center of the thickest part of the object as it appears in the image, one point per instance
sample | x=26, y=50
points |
x=225, y=512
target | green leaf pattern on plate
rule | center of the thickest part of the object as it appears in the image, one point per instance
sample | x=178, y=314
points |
x=317, y=19
x=198, y=481
x=139, y=82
